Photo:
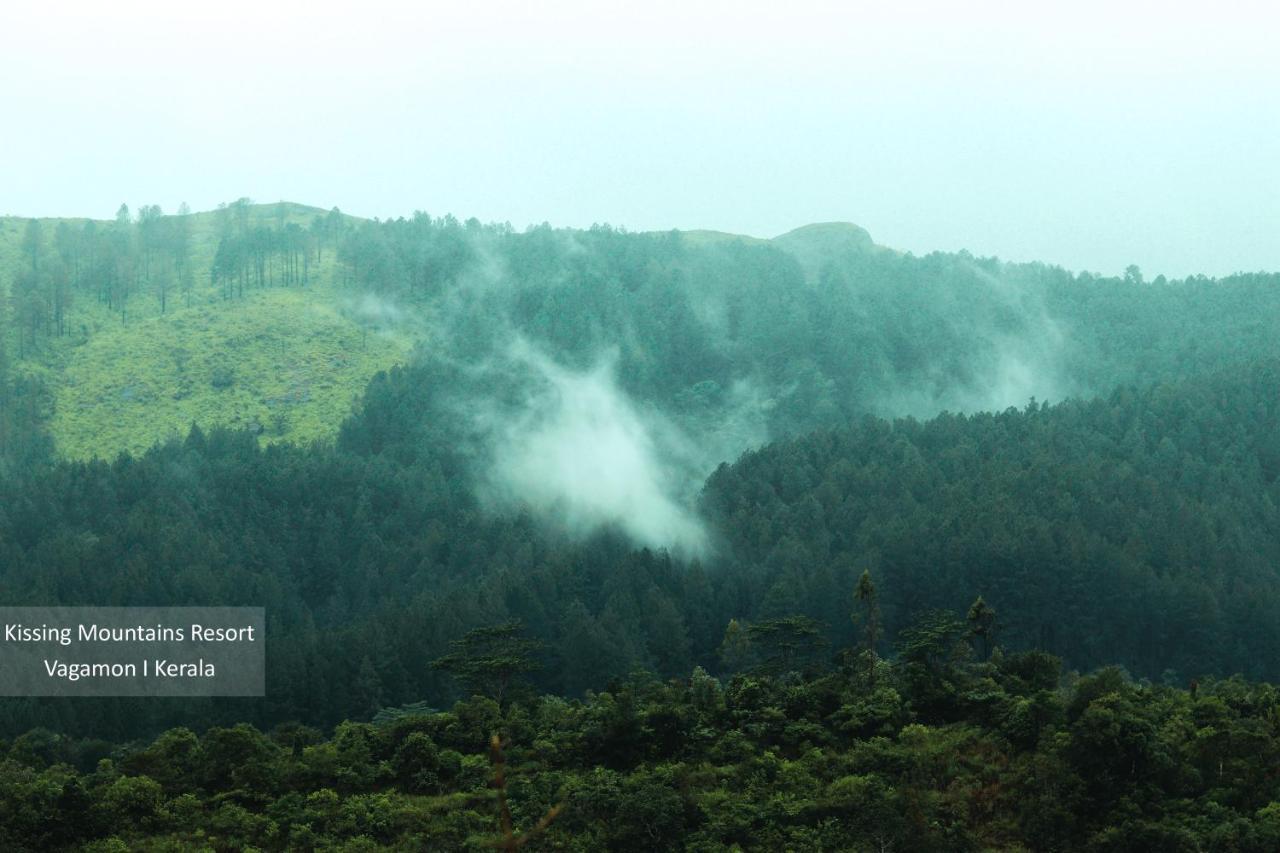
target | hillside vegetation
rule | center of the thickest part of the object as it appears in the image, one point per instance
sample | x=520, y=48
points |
x=939, y=752
x=284, y=364
x=728, y=541
x=274, y=317
x=1140, y=528
x=122, y=372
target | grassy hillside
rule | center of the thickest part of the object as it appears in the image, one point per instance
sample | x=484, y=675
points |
x=286, y=362
x=777, y=337
x=283, y=363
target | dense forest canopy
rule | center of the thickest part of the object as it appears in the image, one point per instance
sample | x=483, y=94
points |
x=543, y=454
x=937, y=752
x=1139, y=528
x=727, y=342
x=786, y=466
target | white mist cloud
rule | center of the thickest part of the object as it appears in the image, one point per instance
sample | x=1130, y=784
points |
x=580, y=453
x=1017, y=351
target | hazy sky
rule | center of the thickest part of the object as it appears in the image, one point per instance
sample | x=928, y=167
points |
x=1093, y=136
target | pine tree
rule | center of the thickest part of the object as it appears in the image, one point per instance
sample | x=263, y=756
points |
x=735, y=648
x=982, y=627
x=368, y=689
x=489, y=659
x=866, y=596
x=789, y=641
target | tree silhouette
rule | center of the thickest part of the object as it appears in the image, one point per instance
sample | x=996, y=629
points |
x=489, y=659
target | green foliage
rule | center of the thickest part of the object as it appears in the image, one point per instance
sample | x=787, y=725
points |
x=809, y=330
x=1130, y=767
x=1105, y=529
x=787, y=643
x=982, y=627
x=125, y=327
x=735, y=652
x=1137, y=527
x=375, y=554
x=277, y=363
x=488, y=659
x=869, y=604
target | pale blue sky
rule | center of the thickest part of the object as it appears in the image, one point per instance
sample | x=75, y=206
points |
x=1089, y=134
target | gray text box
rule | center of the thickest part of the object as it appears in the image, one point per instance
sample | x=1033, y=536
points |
x=132, y=651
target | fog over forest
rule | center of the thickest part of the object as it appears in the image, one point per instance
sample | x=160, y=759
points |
x=565, y=417
x=674, y=426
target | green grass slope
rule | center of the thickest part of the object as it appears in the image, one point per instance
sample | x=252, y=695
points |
x=283, y=363
x=286, y=362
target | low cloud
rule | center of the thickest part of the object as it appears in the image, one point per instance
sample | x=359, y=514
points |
x=576, y=450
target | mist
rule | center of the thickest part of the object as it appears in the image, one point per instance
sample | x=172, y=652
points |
x=595, y=379
x=1017, y=351
x=576, y=451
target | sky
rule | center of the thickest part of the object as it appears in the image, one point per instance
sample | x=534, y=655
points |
x=1088, y=134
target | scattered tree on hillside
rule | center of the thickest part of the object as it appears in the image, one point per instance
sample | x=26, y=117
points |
x=788, y=642
x=865, y=595
x=489, y=659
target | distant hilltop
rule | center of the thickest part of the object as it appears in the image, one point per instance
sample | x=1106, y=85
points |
x=814, y=246
x=829, y=234
x=823, y=243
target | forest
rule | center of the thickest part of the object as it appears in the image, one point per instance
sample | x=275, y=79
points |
x=950, y=746
x=801, y=543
